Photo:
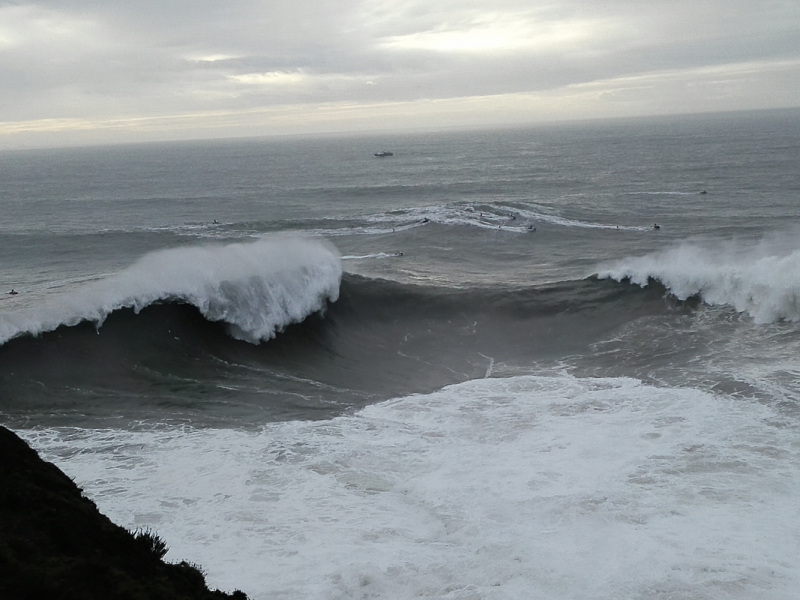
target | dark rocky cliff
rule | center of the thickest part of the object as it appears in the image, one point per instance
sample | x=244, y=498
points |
x=55, y=543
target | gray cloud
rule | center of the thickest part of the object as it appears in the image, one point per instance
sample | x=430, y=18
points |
x=87, y=60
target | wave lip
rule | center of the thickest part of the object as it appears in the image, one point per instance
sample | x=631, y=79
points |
x=257, y=288
x=762, y=281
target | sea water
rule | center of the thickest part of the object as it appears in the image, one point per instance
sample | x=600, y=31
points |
x=473, y=369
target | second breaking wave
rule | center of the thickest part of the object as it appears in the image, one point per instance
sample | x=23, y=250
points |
x=761, y=280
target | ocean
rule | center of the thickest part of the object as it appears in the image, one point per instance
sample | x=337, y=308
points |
x=553, y=362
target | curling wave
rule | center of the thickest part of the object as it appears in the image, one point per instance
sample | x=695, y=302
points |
x=762, y=281
x=257, y=289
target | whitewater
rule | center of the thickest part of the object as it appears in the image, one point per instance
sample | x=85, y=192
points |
x=543, y=487
x=761, y=280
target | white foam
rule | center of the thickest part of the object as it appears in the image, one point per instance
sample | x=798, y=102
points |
x=509, y=219
x=761, y=280
x=256, y=288
x=370, y=256
x=527, y=487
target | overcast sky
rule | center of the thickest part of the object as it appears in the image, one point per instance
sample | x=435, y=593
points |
x=83, y=71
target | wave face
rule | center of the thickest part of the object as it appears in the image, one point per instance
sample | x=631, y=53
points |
x=256, y=289
x=377, y=339
x=761, y=280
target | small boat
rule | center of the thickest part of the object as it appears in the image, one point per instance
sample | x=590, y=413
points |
x=384, y=153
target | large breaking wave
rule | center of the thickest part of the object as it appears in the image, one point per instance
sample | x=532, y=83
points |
x=257, y=288
x=761, y=280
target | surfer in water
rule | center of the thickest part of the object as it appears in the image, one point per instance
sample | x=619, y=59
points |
x=13, y=292
x=656, y=226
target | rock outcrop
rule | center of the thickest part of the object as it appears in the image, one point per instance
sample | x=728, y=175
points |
x=55, y=543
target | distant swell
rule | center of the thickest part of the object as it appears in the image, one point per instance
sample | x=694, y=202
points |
x=256, y=289
x=760, y=280
x=511, y=217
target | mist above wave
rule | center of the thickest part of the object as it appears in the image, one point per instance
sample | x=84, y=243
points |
x=761, y=280
x=257, y=288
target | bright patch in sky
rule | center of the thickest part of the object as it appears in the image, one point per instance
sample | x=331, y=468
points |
x=271, y=78
x=213, y=57
x=500, y=34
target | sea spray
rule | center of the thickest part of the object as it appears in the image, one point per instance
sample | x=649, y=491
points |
x=761, y=280
x=257, y=289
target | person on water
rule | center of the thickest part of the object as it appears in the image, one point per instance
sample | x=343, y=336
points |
x=656, y=226
x=13, y=292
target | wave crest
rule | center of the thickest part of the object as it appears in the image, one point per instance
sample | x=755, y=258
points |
x=760, y=280
x=257, y=288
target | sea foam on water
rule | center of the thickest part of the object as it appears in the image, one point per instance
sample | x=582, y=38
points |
x=526, y=487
